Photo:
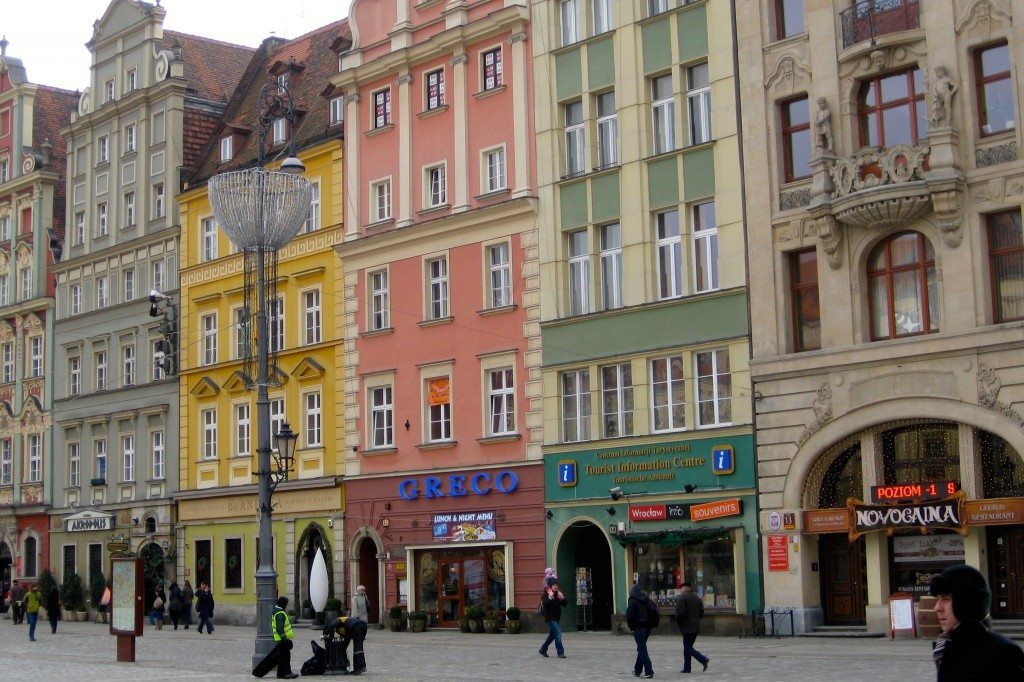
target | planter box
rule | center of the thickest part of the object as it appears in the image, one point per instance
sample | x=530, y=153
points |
x=417, y=625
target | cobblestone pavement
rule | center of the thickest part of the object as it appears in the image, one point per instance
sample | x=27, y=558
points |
x=84, y=651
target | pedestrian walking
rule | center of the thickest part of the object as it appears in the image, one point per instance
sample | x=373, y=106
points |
x=361, y=604
x=351, y=629
x=174, y=603
x=967, y=649
x=552, y=601
x=204, y=607
x=17, y=608
x=642, y=616
x=53, y=609
x=33, y=600
x=187, y=596
x=281, y=654
x=689, y=611
x=159, y=604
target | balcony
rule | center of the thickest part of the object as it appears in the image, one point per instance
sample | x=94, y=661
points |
x=868, y=19
x=880, y=187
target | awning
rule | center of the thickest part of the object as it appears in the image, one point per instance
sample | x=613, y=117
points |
x=675, y=536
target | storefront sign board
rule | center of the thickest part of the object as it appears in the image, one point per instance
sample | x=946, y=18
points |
x=464, y=527
x=931, y=515
x=778, y=553
x=459, y=485
x=827, y=521
x=995, y=512
x=716, y=509
x=88, y=520
x=928, y=549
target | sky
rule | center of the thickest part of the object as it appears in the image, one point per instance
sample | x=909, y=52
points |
x=49, y=36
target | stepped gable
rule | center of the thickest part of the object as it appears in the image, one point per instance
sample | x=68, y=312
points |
x=310, y=63
x=212, y=67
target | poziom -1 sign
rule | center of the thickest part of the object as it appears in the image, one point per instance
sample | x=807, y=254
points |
x=931, y=515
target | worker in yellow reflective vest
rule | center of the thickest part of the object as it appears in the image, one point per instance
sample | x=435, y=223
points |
x=281, y=626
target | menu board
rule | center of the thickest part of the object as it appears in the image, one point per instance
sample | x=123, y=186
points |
x=125, y=603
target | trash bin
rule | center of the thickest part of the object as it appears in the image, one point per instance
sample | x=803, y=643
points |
x=337, y=659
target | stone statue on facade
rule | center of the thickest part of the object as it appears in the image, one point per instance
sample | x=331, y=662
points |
x=943, y=90
x=823, y=126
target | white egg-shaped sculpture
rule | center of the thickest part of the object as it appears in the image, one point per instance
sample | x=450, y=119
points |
x=318, y=583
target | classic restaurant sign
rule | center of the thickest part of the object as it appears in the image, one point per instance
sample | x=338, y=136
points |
x=88, y=520
x=464, y=527
x=859, y=518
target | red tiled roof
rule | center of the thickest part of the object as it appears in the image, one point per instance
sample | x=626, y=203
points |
x=51, y=112
x=212, y=67
x=313, y=52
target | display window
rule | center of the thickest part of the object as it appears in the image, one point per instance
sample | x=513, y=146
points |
x=708, y=566
x=917, y=558
x=450, y=580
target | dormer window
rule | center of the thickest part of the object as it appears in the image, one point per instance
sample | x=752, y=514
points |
x=282, y=82
x=227, y=148
x=337, y=110
x=280, y=130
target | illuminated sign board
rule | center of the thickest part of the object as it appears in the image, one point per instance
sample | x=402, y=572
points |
x=931, y=514
x=912, y=492
x=716, y=510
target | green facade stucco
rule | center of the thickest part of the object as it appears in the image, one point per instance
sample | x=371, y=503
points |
x=663, y=182
x=657, y=45
x=572, y=200
x=699, y=173
x=601, y=63
x=693, y=33
x=604, y=193
x=568, y=75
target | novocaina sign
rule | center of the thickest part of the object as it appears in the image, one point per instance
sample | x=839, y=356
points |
x=929, y=515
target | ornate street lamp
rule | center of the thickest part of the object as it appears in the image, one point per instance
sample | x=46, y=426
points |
x=261, y=211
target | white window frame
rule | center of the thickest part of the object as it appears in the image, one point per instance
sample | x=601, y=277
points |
x=75, y=375
x=128, y=281
x=337, y=111
x=495, y=178
x=130, y=80
x=108, y=90
x=578, y=259
x=130, y=138
x=158, y=372
x=718, y=379
x=99, y=450
x=102, y=292
x=575, y=138
x=209, y=423
x=619, y=394
x=156, y=441
x=129, y=209
x=35, y=356
x=435, y=186
x=704, y=248
x=6, y=461
x=440, y=414
x=8, y=362
x=158, y=274
x=603, y=15
x=380, y=299
x=276, y=324
x=5, y=170
x=243, y=422
x=158, y=200
x=240, y=328
x=607, y=131
x=312, y=223
x=208, y=325
x=382, y=416
x=576, y=407
x=673, y=384
x=311, y=316
x=128, y=365
x=312, y=404
x=501, y=401
x=74, y=464
x=611, y=266
x=207, y=239
x=35, y=458
x=5, y=225
x=127, y=458
x=100, y=366
x=669, y=249
x=568, y=19
x=5, y=289
x=437, y=288
x=25, y=292
x=227, y=148
x=663, y=116
x=698, y=101
x=380, y=200
x=276, y=418
x=79, y=234
x=499, y=275
x=102, y=228
x=103, y=149
x=75, y=295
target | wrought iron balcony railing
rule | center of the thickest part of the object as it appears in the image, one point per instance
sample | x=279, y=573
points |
x=869, y=19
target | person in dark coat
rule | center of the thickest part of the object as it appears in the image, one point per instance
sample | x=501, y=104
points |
x=967, y=649
x=204, y=607
x=689, y=611
x=187, y=597
x=637, y=618
x=174, y=603
x=160, y=608
x=53, y=609
x=17, y=608
x=552, y=601
x=351, y=629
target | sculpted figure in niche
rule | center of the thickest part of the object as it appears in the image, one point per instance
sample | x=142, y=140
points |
x=943, y=90
x=823, y=126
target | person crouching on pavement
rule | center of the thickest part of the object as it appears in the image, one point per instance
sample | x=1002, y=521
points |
x=350, y=629
x=967, y=649
x=281, y=625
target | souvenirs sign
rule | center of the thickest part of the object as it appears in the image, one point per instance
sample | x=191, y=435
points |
x=930, y=515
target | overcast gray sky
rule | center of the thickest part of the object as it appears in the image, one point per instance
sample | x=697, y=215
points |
x=49, y=36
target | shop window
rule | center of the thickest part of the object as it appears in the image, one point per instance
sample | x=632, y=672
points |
x=202, y=567
x=95, y=560
x=233, y=563
x=923, y=452
x=30, y=557
x=708, y=566
x=1001, y=467
x=917, y=558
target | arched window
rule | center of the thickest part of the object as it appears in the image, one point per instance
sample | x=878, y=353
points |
x=921, y=452
x=150, y=524
x=903, y=294
x=31, y=560
x=842, y=479
x=1001, y=467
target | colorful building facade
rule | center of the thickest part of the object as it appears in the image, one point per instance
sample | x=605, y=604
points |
x=648, y=434
x=217, y=533
x=442, y=383
x=884, y=181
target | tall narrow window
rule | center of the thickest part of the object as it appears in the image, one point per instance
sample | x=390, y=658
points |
x=575, y=405
x=128, y=290
x=994, y=89
x=501, y=417
x=128, y=458
x=337, y=111
x=796, y=139
x=380, y=196
x=574, y=147
x=157, y=448
x=276, y=417
x=75, y=295
x=209, y=434
x=435, y=89
x=670, y=255
x=26, y=284
x=8, y=359
x=35, y=356
x=74, y=375
x=668, y=394
x=130, y=80
x=437, y=269
x=5, y=228
x=381, y=417
x=705, y=247
x=494, y=161
x=103, y=149
x=158, y=353
x=382, y=108
x=311, y=316
x=102, y=228
x=275, y=313
x=1006, y=264
x=579, y=273
x=379, y=305
x=129, y=138
x=6, y=462
x=242, y=430
x=439, y=409
x=243, y=332
x=313, y=220
x=158, y=200
x=209, y=324
x=611, y=266
x=602, y=11
x=100, y=362
x=568, y=15
x=500, y=270
x=789, y=18
x=79, y=233
x=714, y=388
x=99, y=451
x=437, y=186
x=158, y=275
x=698, y=97
x=227, y=148
x=891, y=109
x=129, y=209
x=5, y=289
x=903, y=293
x=108, y=90
x=803, y=294
x=617, y=400
x=128, y=365
x=74, y=466
x=492, y=70
x=655, y=7
x=35, y=458
x=663, y=114
x=314, y=417
x=208, y=238
x=607, y=130
x=233, y=558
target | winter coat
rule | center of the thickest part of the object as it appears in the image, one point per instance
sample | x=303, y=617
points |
x=636, y=608
x=53, y=604
x=973, y=652
x=204, y=604
x=361, y=606
x=689, y=611
x=552, y=603
x=32, y=601
x=187, y=597
x=174, y=605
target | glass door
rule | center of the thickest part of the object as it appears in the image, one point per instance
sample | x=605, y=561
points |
x=450, y=602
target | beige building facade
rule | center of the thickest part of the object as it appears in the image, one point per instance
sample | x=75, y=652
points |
x=883, y=188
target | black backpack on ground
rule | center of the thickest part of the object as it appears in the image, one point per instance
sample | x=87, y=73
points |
x=318, y=664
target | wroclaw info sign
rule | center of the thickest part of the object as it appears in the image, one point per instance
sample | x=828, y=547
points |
x=930, y=515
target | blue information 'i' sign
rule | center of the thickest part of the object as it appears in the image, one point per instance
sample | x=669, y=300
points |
x=567, y=473
x=723, y=460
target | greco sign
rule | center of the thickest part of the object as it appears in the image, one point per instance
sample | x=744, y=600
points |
x=929, y=515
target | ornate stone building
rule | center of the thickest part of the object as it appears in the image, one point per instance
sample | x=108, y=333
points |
x=884, y=184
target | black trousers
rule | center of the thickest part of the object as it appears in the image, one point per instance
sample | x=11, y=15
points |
x=284, y=663
x=356, y=633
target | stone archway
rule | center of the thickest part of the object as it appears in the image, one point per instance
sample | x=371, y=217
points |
x=368, y=576
x=312, y=539
x=584, y=544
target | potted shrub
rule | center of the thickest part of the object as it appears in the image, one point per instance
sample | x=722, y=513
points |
x=331, y=610
x=307, y=609
x=464, y=621
x=475, y=614
x=512, y=621
x=417, y=621
x=71, y=596
x=46, y=583
x=396, y=621
x=492, y=619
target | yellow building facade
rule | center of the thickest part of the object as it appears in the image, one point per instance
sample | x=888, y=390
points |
x=218, y=530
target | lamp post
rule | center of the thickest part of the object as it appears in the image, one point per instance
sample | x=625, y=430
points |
x=261, y=211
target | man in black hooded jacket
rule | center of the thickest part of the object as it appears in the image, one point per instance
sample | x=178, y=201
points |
x=637, y=618
x=967, y=649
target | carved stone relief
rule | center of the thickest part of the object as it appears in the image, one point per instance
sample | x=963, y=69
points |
x=875, y=62
x=796, y=198
x=989, y=386
x=789, y=75
x=1000, y=153
x=822, y=407
x=981, y=17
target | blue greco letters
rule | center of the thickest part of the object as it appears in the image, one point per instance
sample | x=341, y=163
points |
x=480, y=483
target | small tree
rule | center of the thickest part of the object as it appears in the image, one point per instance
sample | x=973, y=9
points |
x=71, y=592
x=97, y=584
x=46, y=584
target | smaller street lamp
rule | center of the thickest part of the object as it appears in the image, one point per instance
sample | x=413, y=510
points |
x=284, y=457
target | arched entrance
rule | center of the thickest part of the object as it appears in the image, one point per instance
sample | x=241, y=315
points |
x=6, y=561
x=152, y=570
x=369, y=576
x=312, y=540
x=586, y=545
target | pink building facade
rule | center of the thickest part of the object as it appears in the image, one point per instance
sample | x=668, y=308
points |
x=442, y=362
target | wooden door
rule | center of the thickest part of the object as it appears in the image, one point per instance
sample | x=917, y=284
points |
x=843, y=580
x=1006, y=571
x=449, y=601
